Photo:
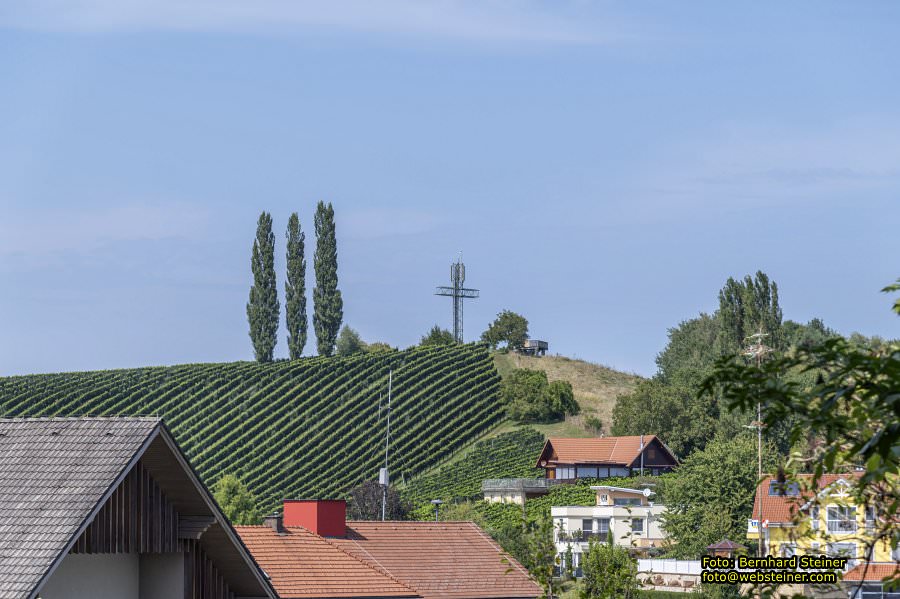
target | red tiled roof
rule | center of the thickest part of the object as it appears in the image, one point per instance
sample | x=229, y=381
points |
x=725, y=544
x=874, y=571
x=301, y=564
x=782, y=508
x=439, y=559
x=622, y=451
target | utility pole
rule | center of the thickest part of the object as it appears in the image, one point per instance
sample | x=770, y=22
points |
x=383, y=475
x=757, y=350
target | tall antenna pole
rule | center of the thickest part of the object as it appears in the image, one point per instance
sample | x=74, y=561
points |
x=458, y=293
x=387, y=441
x=757, y=349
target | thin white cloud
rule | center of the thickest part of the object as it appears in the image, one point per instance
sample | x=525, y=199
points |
x=45, y=232
x=771, y=163
x=487, y=20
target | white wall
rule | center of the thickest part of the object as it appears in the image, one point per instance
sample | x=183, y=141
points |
x=162, y=576
x=95, y=576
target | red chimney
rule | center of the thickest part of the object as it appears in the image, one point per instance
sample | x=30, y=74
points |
x=325, y=517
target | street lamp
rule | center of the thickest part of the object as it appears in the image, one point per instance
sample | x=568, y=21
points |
x=437, y=504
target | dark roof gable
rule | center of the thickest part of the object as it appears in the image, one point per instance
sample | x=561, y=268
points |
x=56, y=473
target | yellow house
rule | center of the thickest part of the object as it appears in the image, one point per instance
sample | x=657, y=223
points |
x=793, y=524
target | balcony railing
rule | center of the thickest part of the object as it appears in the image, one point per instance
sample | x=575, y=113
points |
x=581, y=535
x=841, y=526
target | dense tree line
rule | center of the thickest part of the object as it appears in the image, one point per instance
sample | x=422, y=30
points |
x=671, y=405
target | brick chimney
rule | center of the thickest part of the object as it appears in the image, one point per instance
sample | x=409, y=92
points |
x=325, y=517
x=275, y=522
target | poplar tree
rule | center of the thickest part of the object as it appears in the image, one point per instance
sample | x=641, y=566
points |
x=295, y=288
x=328, y=306
x=746, y=307
x=263, y=309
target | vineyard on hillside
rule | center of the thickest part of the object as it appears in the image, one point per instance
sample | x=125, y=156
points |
x=305, y=428
x=510, y=455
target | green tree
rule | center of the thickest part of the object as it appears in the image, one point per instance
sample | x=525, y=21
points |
x=237, y=502
x=366, y=500
x=349, y=342
x=562, y=399
x=535, y=550
x=438, y=336
x=509, y=328
x=295, y=288
x=852, y=412
x=609, y=572
x=263, y=308
x=328, y=306
x=379, y=347
x=677, y=413
x=711, y=494
x=691, y=351
x=529, y=397
x=746, y=307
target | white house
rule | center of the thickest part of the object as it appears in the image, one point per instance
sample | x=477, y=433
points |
x=629, y=515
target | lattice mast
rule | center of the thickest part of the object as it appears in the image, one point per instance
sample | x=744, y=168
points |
x=458, y=293
x=756, y=350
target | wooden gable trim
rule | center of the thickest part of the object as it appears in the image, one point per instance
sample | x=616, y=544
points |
x=659, y=445
x=137, y=518
x=217, y=512
x=544, y=455
x=93, y=513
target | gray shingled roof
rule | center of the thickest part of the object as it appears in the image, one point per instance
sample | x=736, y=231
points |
x=53, y=473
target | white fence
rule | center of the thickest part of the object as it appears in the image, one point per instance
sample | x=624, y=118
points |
x=669, y=566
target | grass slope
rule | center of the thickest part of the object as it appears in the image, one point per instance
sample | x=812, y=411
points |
x=305, y=428
x=510, y=450
x=596, y=388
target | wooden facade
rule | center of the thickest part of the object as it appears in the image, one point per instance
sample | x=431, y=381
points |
x=139, y=518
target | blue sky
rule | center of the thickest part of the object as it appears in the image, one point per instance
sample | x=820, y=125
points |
x=603, y=167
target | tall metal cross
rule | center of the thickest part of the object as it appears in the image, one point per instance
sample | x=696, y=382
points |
x=458, y=293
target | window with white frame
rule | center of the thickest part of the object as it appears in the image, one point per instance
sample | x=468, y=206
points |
x=847, y=550
x=841, y=519
x=565, y=472
x=870, y=518
x=814, y=517
x=586, y=471
x=587, y=526
x=876, y=591
x=788, y=549
x=603, y=527
x=626, y=501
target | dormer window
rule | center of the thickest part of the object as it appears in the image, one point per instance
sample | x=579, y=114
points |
x=785, y=489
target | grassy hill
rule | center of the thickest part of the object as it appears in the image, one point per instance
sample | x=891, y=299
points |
x=596, y=388
x=306, y=428
x=510, y=449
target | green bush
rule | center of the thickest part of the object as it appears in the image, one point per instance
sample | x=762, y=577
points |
x=529, y=397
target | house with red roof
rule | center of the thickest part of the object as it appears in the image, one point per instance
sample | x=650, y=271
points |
x=312, y=552
x=795, y=519
x=605, y=457
x=873, y=580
